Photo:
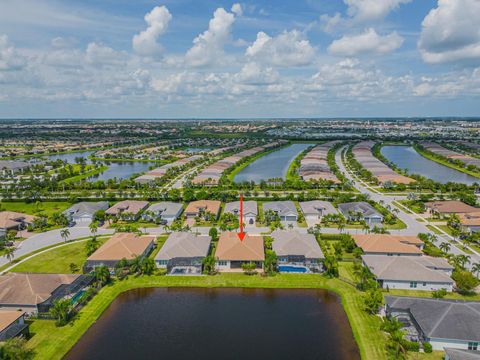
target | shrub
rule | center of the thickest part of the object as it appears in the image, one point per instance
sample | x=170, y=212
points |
x=412, y=346
x=427, y=347
x=439, y=294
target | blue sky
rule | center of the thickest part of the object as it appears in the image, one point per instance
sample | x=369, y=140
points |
x=182, y=58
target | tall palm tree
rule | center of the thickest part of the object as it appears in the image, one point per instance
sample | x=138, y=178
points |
x=102, y=275
x=445, y=247
x=93, y=227
x=476, y=268
x=9, y=252
x=65, y=233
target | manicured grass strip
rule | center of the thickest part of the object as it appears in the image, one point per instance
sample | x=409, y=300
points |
x=50, y=342
x=33, y=208
x=57, y=260
x=86, y=174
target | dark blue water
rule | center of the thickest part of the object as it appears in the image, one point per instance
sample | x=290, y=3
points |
x=211, y=324
x=273, y=165
x=405, y=157
x=121, y=170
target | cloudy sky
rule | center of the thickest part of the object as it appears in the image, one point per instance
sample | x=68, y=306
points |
x=259, y=58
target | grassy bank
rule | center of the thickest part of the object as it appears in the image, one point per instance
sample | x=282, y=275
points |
x=445, y=162
x=86, y=174
x=36, y=208
x=50, y=342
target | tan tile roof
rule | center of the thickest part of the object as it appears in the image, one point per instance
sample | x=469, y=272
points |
x=231, y=248
x=128, y=206
x=451, y=206
x=122, y=245
x=8, y=219
x=7, y=317
x=212, y=206
x=470, y=219
x=385, y=243
x=30, y=289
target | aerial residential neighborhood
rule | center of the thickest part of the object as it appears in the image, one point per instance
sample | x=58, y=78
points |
x=240, y=180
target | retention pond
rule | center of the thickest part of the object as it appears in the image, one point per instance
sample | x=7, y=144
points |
x=209, y=324
x=405, y=157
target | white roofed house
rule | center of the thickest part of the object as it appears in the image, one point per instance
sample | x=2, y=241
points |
x=410, y=272
x=286, y=210
x=183, y=253
x=128, y=209
x=314, y=210
x=297, y=252
x=83, y=212
x=163, y=211
x=250, y=210
x=361, y=210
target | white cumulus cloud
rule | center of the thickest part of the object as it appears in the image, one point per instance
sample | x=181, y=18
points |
x=253, y=74
x=98, y=54
x=290, y=48
x=9, y=57
x=146, y=42
x=368, y=10
x=368, y=42
x=208, y=47
x=451, y=32
x=237, y=9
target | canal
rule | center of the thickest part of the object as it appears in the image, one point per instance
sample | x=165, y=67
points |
x=272, y=165
x=405, y=157
x=208, y=324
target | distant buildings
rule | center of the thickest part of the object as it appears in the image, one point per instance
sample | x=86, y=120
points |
x=314, y=165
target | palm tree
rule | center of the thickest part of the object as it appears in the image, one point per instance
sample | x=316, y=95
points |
x=341, y=226
x=445, y=247
x=366, y=228
x=65, y=233
x=102, y=275
x=93, y=227
x=476, y=268
x=461, y=261
x=9, y=252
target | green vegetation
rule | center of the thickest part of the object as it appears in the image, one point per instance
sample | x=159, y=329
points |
x=50, y=343
x=57, y=260
x=36, y=208
x=86, y=174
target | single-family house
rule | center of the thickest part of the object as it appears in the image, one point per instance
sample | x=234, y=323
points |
x=201, y=207
x=314, y=210
x=120, y=246
x=12, y=166
x=297, y=252
x=449, y=207
x=452, y=324
x=286, y=210
x=37, y=292
x=231, y=252
x=361, y=210
x=163, y=211
x=83, y=212
x=11, y=220
x=127, y=210
x=250, y=210
x=390, y=245
x=12, y=324
x=470, y=222
x=410, y=272
x=183, y=253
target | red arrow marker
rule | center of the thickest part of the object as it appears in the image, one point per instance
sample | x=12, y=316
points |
x=241, y=234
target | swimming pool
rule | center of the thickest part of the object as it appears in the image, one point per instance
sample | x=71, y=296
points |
x=292, y=269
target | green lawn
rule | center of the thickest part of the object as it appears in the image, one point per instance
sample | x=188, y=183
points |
x=160, y=241
x=50, y=342
x=40, y=208
x=57, y=260
x=428, y=294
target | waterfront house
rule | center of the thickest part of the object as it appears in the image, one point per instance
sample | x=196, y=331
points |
x=129, y=210
x=361, y=210
x=201, y=207
x=250, y=210
x=390, y=245
x=453, y=324
x=286, y=210
x=231, y=252
x=12, y=324
x=470, y=222
x=83, y=212
x=410, y=272
x=120, y=246
x=37, y=292
x=183, y=253
x=163, y=211
x=297, y=252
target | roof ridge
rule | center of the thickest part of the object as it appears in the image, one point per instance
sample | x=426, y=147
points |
x=441, y=319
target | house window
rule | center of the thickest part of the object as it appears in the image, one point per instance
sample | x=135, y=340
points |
x=162, y=262
x=473, y=346
x=413, y=284
x=424, y=284
x=222, y=263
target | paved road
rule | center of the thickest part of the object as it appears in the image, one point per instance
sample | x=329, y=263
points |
x=414, y=226
x=52, y=237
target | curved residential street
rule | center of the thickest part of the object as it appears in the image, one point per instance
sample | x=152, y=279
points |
x=414, y=222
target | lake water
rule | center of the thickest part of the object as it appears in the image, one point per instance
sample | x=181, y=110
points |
x=273, y=165
x=210, y=324
x=121, y=170
x=70, y=157
x=405, y=157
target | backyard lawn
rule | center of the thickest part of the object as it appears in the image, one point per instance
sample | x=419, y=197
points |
x=36, y=208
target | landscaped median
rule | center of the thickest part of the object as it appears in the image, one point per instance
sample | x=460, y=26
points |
x=51, y=342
